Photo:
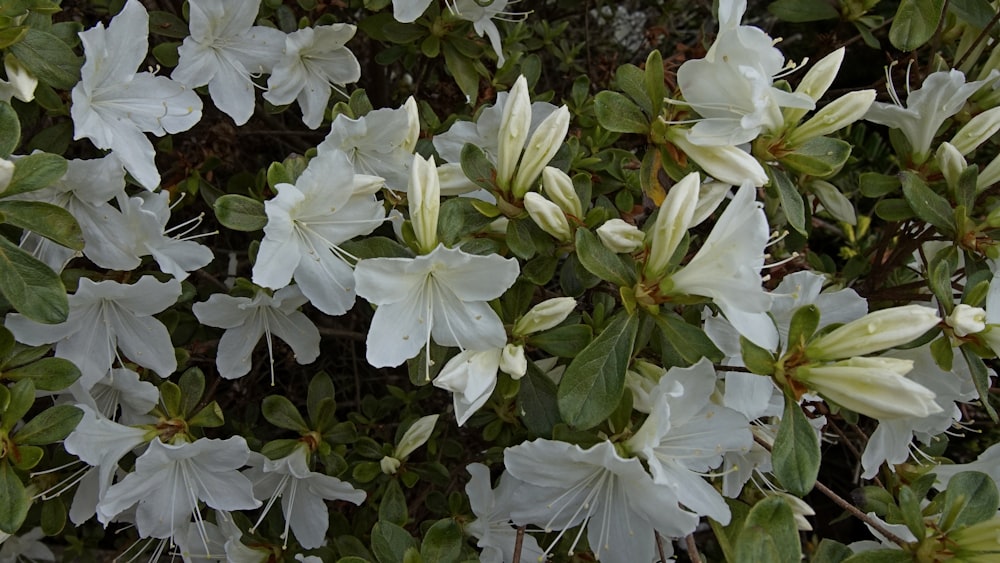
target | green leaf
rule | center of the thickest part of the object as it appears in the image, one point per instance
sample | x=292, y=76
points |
x=894, y=210
x=192, y=384
x=835, y=202
x=477, y=167
x=615, y=112
x=30, y=286
x=53, y=518
x=320, y=388
x=536, y=401
x=49, y=426
x=167, y=25
x=170, y=399
x=390, y=541
x=11, y=35
x=801, y=11
x=14, y=499
x=819, y=156
x=757, y=359
x=975, y=12
x=805, y=320
x=45, y=219
x=769, y=533
x=458, y=218
x=795, y=456
x=655, y=87
x=6, y=345
x=10, y=129
x=376, y=247
x=981, y=379
x=683, y=343
x=392, y=507
x=928, y=206
x=791, y=200
x=442, y=542
x=563, y=341
x=240, y=213
x=941, y=270
x=22, y=396
x=48, y=58
x=594, y=381
x=519, y=238
x=875, y=185
x=830, y=551
x=970, y=498
x=881, y=556
x=210, y=416
x=34, y=172
x=463, y=69
x=279, y=411
x=909, y=509
x=915, y=23
x=601, y=261
x=943, y=353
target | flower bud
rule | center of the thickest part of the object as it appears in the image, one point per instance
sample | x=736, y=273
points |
x=6, y=174
x=514, y=125
x=951, y=162
x=541, y=147
x=548, y=216
x=836, y=115
x=545, y=315
x=874, y=332
x=870, y=386
x=977, y=131
x=671, y=224
x=559, y=188
x=412, y=125
x=424, y=196
x=620, y=237
x=389, y=465
x=965, y=320
x=415, y=436
x=710, y=195
x=513, y=362
x=989, y=175
x=725, y=163
x=816, y=82
x=22, y=82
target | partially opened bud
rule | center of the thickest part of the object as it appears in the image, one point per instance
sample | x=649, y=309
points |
x=389, y=465
x=21, y=81
x=513, y=362
x=977, y=131
x=874, y=332
x=725, y=163
x=545, y=315
x=548, y=216
x=816, y=82
x=541, y=147
x=412, y=125
x=836, y=115
x=671, y=224
x=871, y=386
x=514, y=125
x=620, y=237
x=559, y=188
x=965, y=319
x=951, y=162
x=415, y=436
x=424, y=197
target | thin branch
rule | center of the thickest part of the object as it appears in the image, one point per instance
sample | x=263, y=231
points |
x=518, y=544
x=979, y=39
x=659, y=547
x=856, y=512
x=692, y=549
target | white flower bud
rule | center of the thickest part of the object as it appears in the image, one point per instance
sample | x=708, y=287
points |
x=725, y=163
x=619, y=236
x=514, y=125
x=671, y=224
x=548, y=216
x=951, y=162
x=541, y=147
x=412, y=125
x=545, y=315
x=389, y=465
x=559, y=188
x=989, y=175
x=6, y=173
x=816, y=82
x=868, y=387
x=363, y=184
x=874, y=332
x=22, y=82
x=710, y=195
x=424, y=196
x=965, y=320
x=836, y=115
x=415, y=436
x=513, y=362
x=977, y=131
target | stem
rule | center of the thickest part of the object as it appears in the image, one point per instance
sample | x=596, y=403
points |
x=877, y=526
x=692, y=549
x=979, y=39
x=518, y=544
x=659, y=547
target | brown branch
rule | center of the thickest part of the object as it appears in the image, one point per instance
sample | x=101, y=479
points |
x=692, y=549
x=518, y=544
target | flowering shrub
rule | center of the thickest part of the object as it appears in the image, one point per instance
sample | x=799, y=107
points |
x=551, y=280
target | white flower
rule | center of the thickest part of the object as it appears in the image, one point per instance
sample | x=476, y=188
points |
x=113, y=105
x=381, y=143
x=941, y=96
x=327, y=206
x=407, y=11
x=146, y=234
x=170, y=479
x=965, y=320
x=732, y=88
x=121, y=389
x=26, y=547
x=482, y=20
x=314, y=63
x=225, y=50
x=441, y=295
x=471, y=376
x=302, y=493
x=103, y=317
x=246, y=320
x=20, y=82
x=618, y=502
x=686, y=435
x=492, y=528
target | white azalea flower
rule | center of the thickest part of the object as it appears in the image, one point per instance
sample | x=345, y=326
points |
x=327, y=206
x=621, y=506
x=732, y=88
x=104, y=317
x=407, y=11
x=442, y=295
x=380, y=143
x=492, y=528
x=113, y=105
x=315, y=62
x=482, y=20
x=246, y=320
x=471, y=376
x=20, y=82
x=941, y=96
x=170, y=479
x=302, y=493
x=686, y=435
x=119, y=395
x=25, y=547
x=145, y=217
x=225, y=50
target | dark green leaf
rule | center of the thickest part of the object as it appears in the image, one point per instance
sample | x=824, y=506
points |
x=392, y=507
x=791, y=200
x=981, y=378
x=536, y=401
x=830, y=551
x=167, y=25
x=519, y=238
x=477, y=167
x=915, y=23
x=170, y=399
x=875, y=185
x=563, y=341
x=686, y=342
x=240, y=213
x=45, y=219
x=894, y=210
x=30, y=286
x=463, y=69
x=929, y=206
x=320, y=388
x=601, y=262
x=12, y=35
x=442, y=542
x=376, y=247
x=800, y=11
x=805, y=320
x=192, y=384
x=389, y=542
x=819, y=156
x=14, y=499
x=594, y=381
x=835, y=202
x=10, y=129
x=34, y=172
x=48, y=374
x=49, y=426
x=655, y=87
x=881, y=556
x=53, y=516
x=615, y=112
x=796, y=455
x=970, y=498
x=458, y=218
x=757, y=359
x=22, y=396
x=769, y=533
x=48, y=58
x=279, y=411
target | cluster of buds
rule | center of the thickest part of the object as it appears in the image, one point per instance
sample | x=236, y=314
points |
x=517, y=174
